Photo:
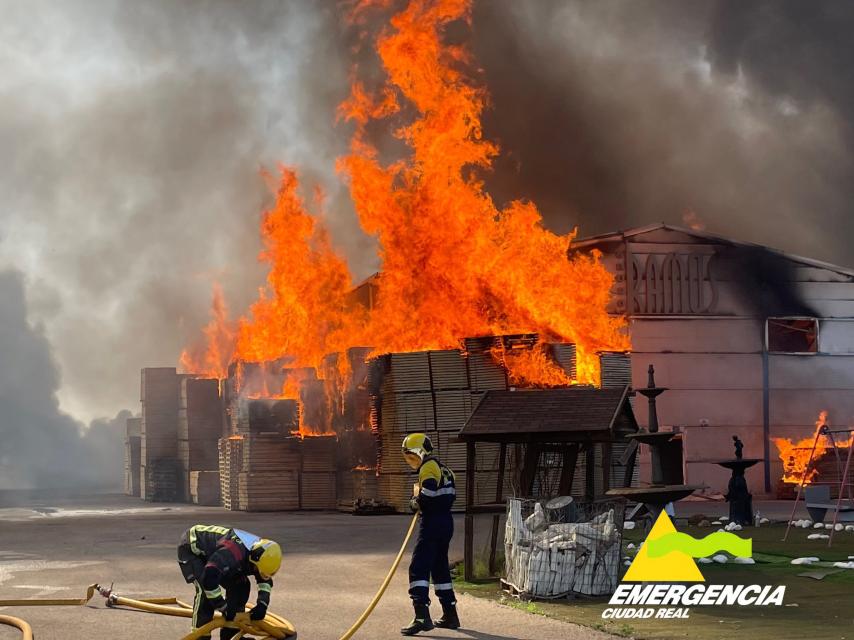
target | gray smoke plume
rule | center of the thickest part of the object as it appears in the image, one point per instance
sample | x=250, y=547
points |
x=40, y=446
x=737, y=114
x=132, y=134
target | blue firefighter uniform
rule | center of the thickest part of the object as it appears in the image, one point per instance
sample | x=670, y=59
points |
x=430, y=557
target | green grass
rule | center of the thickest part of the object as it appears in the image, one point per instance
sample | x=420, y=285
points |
x=815, y=609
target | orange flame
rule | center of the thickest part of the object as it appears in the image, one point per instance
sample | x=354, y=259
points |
x=453, y=264
x=212, y=356
x=531, y=367
x=795, y=455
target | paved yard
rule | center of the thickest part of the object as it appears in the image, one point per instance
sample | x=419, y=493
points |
x=333, y=565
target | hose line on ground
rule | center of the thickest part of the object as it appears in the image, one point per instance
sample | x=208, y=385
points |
x=272, y=627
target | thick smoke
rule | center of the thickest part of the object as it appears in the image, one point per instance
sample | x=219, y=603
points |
x=617, y=114
x=132, y=134
x=40, y=446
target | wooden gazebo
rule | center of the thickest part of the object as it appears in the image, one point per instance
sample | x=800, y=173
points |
x=557, y=422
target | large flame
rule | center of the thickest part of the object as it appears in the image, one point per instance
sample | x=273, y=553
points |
x=212, y=355
x=795, y=455
x=453, y=263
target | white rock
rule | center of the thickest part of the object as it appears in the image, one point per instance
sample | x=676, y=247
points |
x=818, y=536
x=764, y=521
x=704, y=560
x=838, y=527
x=807, y=524
x=732, y=526
x=628, y=525
x=828, y=526
x=631, y=545
x=721, y=530
x=720, y=558
x=805, y=560
x=818, y=525
x=717, y=523
x=627, y=563
x=849, y=527
x=724, y=518
x=844, y=565
x=738, y=560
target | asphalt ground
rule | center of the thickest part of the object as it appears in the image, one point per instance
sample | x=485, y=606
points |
x=333, y=565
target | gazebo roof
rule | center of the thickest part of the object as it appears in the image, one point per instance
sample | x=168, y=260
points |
x=551, y=415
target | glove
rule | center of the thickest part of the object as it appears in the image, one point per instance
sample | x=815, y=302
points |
x=258, y=612
x=229, y=613
x=413, y=504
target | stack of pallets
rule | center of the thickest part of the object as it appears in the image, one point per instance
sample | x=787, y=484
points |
x=199, y=427
x=133, y=452
x=318, y=480
x=269, y=474
x=266, y=415
x=230, y=463
x=160, y=389
x=205, y=488
x=615, y=369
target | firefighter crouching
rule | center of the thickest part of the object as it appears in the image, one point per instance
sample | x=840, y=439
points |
x=434, y=499
x=218, y=561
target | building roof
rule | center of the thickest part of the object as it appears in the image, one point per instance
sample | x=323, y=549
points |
x=551, y=415
x=628, y=234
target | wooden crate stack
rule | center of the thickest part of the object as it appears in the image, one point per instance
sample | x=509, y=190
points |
x=266, y=415
x=205, y=488
x=133, y=452
x=230, y=462
x=356, y=485
x=318, y=480
x=160, y=390
x=270, y=473
x=199, y=428
x=435, y=392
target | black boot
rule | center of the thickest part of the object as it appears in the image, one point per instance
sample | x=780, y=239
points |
x=449, y=619
x=421, y=622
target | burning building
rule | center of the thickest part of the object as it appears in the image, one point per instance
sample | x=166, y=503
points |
x=750, y=342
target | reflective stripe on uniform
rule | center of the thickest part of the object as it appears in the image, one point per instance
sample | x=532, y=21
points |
x=196, y=602
x=445, y=586
x=213, y=594
x=265, y=587
x=445, y=491
x=203, y=528
x=419, y=583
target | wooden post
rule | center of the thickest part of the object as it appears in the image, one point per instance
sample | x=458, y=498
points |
x=468, y=553
x=499, y=496
x=529, y=472
x=567, y=474
x=606, y=466
x=590, y=471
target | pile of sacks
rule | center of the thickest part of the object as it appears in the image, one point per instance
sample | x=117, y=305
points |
x=551, y=560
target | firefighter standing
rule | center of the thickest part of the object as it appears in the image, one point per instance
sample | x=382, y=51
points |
x=434, y=499
x=218, y=561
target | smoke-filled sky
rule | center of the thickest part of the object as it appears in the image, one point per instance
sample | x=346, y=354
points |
x=132, y=136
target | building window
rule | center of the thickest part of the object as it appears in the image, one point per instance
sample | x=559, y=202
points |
x=792, y=335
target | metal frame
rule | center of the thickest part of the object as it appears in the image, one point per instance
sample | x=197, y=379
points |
x=844, y=478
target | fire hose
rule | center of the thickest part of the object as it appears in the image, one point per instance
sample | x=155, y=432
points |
x=271, y=627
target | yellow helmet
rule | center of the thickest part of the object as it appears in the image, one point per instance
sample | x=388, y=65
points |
x=266, y=555
x=416, y=446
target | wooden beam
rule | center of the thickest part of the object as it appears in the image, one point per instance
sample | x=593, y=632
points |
x=468, y=553
x=606, y=466
x=499, y=496
x=567, y=474
x=589, y=471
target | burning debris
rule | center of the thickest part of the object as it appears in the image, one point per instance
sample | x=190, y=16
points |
x=795, y=455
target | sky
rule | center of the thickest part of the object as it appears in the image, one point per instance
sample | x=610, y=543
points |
x=133, y=138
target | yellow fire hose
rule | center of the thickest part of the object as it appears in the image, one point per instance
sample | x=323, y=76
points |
x=272, y=627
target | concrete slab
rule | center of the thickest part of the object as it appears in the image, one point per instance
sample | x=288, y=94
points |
x=333, y=565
